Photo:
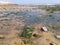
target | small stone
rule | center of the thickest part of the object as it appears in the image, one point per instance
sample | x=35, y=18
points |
x=53, y=44
x=2, y=37
x=44, y=29
x=57, y=36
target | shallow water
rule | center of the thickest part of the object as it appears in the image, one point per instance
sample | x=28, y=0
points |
x=31, y=17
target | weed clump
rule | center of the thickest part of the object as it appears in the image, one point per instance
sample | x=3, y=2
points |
x=27, y=33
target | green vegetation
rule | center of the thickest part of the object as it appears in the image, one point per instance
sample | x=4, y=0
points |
x=27, y=33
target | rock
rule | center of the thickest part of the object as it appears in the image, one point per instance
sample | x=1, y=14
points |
x=53, y=44
x=2, y=36
x=44, y=29
x=57, y=36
